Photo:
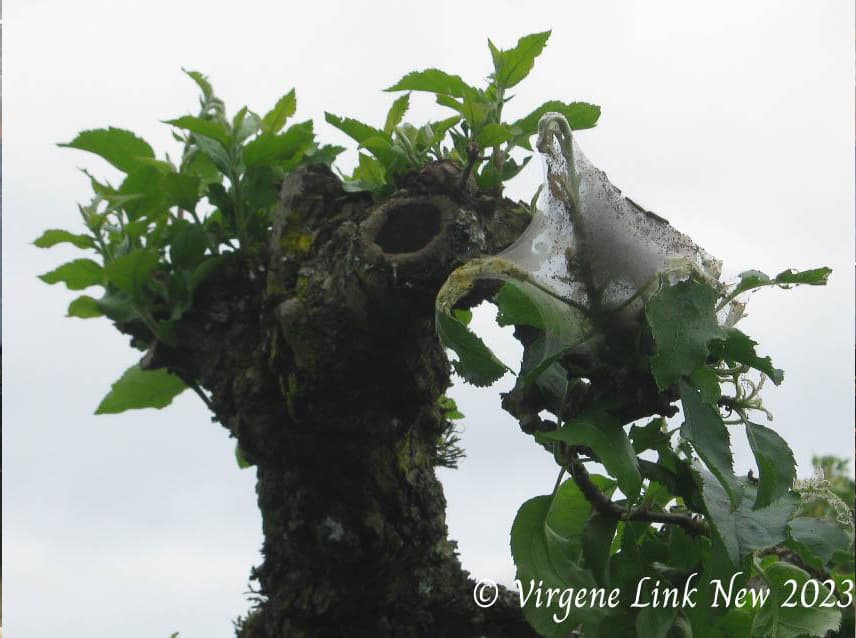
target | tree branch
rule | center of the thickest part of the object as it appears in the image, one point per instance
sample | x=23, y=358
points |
x=607, y=507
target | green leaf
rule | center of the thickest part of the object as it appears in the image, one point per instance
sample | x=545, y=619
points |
x=597, y=537
x=550, y=379
x=685, y=551
x=511, y=168
x=260, y=187
x=655, y=622
x=76, y=275
x=396, y=113
x=817, y=538
x=475, y=108
x=744, y=530
x=450, y=409
x=476, y=363
x=704, y=429
x=119, y=147
x=516, y=308
x=355, y=129
x=488, y=179
x=776, y=464
x=56, y=236
x=215, y=152
x=182, y=190
x=276, y=118
x=269, y=149
x=450, y=102
x=707, y=381
x=84, y=307
x=813, y=277
x=604, y=435
x=243, y=461
x=138, y=388
x=545, y=555
x=369, y=174
x=144, y=192
x=204, y=270
x=739, y=348
x=202, y=82
x=752, y=279
x=390, y=154
x=462, y=315
x=569, y=512
x=432, y=81
x=493, y=134
x=212, y=129
x=322, y=154
x=245, y=124
x=779, y=621
x=188, y=246
x=565, y=327
x=683, y=323
x=199, y=164
x=118, y=306
x=131, y=272
x=580, y=115
x=441, y=127
x=651, y=436
x=513, y=65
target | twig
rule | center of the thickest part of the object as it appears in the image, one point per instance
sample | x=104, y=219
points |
x=472, y=158
x=193, y=386
x=606, y=506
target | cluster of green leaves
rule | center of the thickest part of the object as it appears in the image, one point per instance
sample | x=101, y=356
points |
x=568, y=540
x=164, y=228
x=449, y=450
x=478, y=137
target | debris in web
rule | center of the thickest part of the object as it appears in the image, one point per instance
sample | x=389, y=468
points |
x=588, y=243
x=589, y=258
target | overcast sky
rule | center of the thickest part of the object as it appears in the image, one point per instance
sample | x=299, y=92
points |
x=734, y=121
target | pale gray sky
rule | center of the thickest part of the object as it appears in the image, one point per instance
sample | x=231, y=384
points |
x=734, y=120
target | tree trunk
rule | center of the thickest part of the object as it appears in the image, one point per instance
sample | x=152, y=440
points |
x=320, y=356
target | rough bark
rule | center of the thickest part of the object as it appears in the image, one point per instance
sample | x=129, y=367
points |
x=320, y=356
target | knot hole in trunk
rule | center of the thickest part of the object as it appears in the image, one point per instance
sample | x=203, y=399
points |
x=408, y=227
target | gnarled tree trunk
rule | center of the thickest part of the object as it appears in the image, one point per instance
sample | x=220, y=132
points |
x=320, y=355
